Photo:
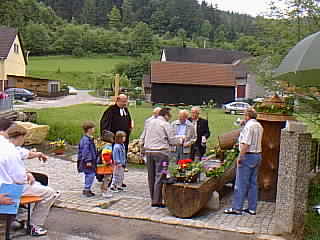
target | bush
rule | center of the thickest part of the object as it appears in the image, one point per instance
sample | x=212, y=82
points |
x=78, y=52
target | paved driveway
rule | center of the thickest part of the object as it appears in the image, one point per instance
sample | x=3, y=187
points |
x=83, y=96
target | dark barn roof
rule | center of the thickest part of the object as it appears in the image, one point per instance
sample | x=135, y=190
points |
x=7, y=37
x=203, y=55
x=192, y=74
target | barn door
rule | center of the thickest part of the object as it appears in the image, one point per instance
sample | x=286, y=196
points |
x=241, y=91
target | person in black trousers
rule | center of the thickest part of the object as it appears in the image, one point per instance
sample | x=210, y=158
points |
x=117, y=118
x=202, y=134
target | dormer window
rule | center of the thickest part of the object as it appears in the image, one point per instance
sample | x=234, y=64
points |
x=16, y=48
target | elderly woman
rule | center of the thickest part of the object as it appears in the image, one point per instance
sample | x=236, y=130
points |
x=183, y=129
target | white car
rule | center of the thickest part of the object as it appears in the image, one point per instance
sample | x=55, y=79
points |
x=236, y=107
x=72, y=90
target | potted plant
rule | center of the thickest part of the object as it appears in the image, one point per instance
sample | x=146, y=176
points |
x=58, y=147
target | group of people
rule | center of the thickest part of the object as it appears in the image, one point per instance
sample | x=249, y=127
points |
x=161, y=141
x=113, y=154
x=185, y=138
x=13, y=171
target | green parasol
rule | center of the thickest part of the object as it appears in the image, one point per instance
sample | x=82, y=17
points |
x=301, y=66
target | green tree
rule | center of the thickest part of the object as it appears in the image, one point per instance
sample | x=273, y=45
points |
x=88, y=12
x=127, y=12
x=142, y=39
x=114, y=18
x=205, y=29
x=36, y=38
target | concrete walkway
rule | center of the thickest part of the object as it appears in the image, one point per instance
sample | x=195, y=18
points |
x=135, y=203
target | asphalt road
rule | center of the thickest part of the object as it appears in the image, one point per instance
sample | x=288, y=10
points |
x=72, y=225
x=83, y=96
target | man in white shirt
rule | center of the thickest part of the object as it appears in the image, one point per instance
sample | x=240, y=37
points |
x=247, y=166
x=12, y=171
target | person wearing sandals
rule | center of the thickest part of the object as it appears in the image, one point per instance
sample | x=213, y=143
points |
x=247, y=166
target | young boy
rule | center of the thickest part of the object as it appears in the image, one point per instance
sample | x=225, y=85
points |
x=87, y=157
x=106, y=158
x=120, y=160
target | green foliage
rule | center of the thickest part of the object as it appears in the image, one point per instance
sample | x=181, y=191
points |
x=312, y=226
x=230, y=157
x=142, y=39
x=88, y=12
x=37, y=38
x=135, y=70
x=114, y=18
x=127, y=12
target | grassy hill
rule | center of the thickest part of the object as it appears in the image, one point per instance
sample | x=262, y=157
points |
x=78, y=72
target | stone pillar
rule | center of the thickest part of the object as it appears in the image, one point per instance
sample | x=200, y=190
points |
x=293, y=181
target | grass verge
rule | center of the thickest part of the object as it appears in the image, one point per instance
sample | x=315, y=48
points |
x=66, y=122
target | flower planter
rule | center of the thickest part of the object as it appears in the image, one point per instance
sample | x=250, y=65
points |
x=59, y=151
x=192, y=179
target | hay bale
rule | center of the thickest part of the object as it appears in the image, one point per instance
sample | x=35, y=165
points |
x=36, y=134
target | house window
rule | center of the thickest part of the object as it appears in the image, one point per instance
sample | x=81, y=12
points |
x=54, y=88
x=16, y=48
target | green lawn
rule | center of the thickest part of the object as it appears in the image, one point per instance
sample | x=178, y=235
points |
x=65, y=122
x=78, y=72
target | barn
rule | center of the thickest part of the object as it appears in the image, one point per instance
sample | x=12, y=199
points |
x=192, y=83
x=197, y=75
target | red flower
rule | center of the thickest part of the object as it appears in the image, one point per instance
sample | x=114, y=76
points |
x=184, y=162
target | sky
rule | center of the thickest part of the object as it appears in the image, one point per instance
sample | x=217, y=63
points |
x=252, y=7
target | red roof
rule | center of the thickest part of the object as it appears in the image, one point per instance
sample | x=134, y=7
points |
x=193, y=74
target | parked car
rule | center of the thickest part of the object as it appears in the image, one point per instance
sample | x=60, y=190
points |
x=236, y=107
x=72, y=90
x=21, y=94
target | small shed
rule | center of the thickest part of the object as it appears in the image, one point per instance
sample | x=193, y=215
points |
x=41, y=86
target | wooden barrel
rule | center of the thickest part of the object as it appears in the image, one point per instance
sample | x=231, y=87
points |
x=228, y=140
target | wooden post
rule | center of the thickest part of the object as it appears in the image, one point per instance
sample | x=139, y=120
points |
x=117, y=85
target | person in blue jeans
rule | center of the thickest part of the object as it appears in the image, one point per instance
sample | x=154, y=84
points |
x=247, y=166
x=87, y=157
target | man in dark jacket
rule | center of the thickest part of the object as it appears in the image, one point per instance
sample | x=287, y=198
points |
x=202, y=134
x=117, y=118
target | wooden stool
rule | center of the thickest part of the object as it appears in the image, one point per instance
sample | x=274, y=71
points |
x=28, y=200
x=25, y=200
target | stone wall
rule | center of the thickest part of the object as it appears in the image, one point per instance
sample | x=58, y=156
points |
x=293, y=182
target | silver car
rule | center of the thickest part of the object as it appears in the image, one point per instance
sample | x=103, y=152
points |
x=236, y=107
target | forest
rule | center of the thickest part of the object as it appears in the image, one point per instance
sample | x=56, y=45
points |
x=128, y=27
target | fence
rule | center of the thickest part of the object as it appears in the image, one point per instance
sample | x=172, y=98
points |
x=315, y=155
x=6, y=103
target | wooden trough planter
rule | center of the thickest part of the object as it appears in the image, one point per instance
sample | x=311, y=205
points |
x=186, y=200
